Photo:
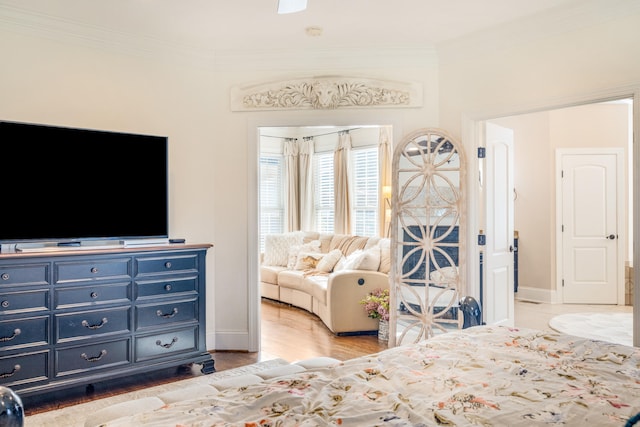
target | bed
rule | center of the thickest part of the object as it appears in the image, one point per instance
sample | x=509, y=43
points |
x=480, y=376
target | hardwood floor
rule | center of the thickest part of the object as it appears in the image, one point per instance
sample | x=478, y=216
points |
x=286, y=332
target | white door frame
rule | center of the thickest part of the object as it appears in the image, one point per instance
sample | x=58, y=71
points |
x=620, y=216
x=393, y=118
x=473, y=138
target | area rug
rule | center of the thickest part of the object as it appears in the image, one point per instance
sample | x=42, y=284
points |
x=611, y=327
x=74, y=416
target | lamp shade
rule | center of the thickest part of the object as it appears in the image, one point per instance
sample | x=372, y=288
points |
x=291, y=6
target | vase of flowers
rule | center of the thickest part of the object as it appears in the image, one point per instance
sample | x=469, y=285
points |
x=376, y=304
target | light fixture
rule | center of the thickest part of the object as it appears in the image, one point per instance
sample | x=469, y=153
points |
x=291, y=6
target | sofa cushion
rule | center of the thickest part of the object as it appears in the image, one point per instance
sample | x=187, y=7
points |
x=293, y=279
x=325, y=242
x=309, y=236
x=348, y=243
x=318, y=287
x=276, y=247
x=269, y=273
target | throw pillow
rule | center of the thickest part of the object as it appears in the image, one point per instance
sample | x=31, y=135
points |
x=295, y=250
x=363, y=260
x=276, y=247
x=349, y=262
x=308, y=260
x=328, y=263
x=369, y=259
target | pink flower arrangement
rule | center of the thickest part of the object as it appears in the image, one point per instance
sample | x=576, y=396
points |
x=376, y=304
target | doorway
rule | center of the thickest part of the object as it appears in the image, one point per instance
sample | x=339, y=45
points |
x=537, y=136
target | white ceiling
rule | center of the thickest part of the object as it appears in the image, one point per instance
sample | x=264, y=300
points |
x=254, y=24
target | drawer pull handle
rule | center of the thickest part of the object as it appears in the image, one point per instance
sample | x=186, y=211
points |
x=16, y=332
x=16, y=368
x=94, y=359
x=167, y=287
x=5, y=304
x=94, y=269
x=5, y=276
x=98, y=326
x=167, y=264
x=159, y=313
x=168, y=345
x=93, y=295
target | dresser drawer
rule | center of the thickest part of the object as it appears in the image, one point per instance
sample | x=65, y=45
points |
x=167, y=264
x=153, y=315
x=24, y=301
x=83, y=359
x=166, y=343
x=74, y=271
x=93, y=294
x=158, y=288
x=92, y=323
x=31, y=274
x=24, y=368
x=27, y=332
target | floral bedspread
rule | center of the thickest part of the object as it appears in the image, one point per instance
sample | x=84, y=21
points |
x=481, y=376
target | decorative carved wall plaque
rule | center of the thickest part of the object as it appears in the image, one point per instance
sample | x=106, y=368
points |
x=328, y=92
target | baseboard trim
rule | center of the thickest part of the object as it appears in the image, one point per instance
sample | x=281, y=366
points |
x=547, y=296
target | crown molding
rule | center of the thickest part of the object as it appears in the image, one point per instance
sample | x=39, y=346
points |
x=326, y=92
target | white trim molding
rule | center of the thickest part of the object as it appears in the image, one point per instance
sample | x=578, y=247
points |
x=326, y=92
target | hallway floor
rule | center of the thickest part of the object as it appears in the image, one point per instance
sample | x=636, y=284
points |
x=536, y=315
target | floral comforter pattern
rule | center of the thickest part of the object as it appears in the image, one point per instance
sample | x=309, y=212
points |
x=482, y=376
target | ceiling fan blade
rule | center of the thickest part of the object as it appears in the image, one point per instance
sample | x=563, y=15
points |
x=291, y=6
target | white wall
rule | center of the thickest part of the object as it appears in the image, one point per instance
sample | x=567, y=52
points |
x=61, y=80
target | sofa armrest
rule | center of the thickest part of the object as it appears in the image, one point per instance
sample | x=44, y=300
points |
x=345, y=290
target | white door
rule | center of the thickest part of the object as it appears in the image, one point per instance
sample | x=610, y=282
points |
x=590, y=227
x=498, y=288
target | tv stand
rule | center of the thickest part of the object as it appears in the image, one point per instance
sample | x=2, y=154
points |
x=74, y=317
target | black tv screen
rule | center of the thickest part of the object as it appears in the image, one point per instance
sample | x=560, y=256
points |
x=63, y=184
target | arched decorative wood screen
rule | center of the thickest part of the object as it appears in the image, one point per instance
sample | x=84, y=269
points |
x=427, y=236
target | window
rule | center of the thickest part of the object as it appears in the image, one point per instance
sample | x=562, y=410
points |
x=271, y=200
x=323, y=191
x=365, y=191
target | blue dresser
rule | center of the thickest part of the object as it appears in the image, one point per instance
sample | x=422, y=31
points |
x=71, y=318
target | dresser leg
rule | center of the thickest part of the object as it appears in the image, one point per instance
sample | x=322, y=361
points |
x=207, y=366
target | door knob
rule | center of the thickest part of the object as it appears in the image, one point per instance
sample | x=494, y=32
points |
x=611, y=237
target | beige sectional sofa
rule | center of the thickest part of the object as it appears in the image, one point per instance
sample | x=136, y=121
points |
x=326, y=274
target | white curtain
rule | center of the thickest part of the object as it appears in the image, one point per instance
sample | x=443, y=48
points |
x=306, y=207
x=342, y=193
x=292, y=201
x=384, y=172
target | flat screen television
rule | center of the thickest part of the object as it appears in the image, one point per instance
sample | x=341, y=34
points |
x=68, y=185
